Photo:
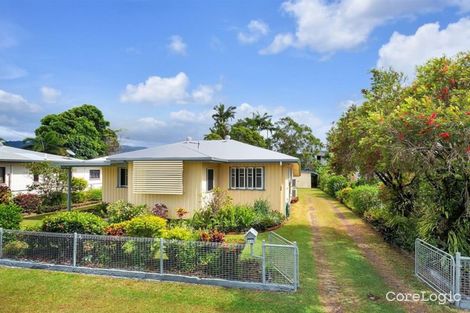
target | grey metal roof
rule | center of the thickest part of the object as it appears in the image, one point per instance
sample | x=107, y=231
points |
x=17, y=155
x=206, y=150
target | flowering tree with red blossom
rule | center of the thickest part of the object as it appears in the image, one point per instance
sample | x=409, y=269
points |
x=415, y=138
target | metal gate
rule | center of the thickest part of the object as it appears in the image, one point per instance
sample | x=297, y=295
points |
x=282, y=260
x=435, y=267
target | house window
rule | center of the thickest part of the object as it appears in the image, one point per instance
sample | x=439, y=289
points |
x=95, y=174
x=210, y=179
x=122, y=177
x=259, y=178
x=247, y=178
x=2, y=175
x=36, y=178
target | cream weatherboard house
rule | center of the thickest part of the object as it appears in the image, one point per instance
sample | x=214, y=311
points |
x=183, y=175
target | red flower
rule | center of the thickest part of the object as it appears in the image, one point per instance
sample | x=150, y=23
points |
x=431, y=118
x=444, y=135
x=468, y=149
x=468, y=113
x=401, y=136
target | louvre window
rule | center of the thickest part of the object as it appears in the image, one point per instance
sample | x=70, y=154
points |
x=94, y=174
x=122, y=177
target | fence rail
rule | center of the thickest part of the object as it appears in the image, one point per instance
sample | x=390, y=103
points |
x=225, y=264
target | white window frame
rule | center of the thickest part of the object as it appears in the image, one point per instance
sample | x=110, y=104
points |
x=94, y=178
x=119, y=177
x=3, y=175
x=207, y=179
x=250, y=182
x=233, y=178
x=256, y=178
x=244, y=178
x=241, y=178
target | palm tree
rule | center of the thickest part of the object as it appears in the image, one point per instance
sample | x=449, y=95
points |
x=222, y=117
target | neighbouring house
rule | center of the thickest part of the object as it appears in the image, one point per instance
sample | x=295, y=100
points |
x=184, y=174
x=15, y=174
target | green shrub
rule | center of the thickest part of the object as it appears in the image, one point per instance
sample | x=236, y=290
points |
x=178, y=233
x=364, y=198
x=335, y=183
x=121, y=211
x=79, y=184
x=10, y=216
x=5, y=194
x=145, y=226
x=74, y=221
x=262, y=206
x=396, y=229
x=78, y=197
x=344, y=195
x=55, y=199
x=268, y=220
x=237, y=218
x=15, y=248
x=94, y=194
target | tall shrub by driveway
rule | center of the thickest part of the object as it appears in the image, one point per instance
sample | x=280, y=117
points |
x=364, y=198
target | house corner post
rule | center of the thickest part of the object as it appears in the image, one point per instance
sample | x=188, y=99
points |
x=69, y=188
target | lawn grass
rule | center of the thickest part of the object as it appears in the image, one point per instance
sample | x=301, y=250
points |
x=44, y=291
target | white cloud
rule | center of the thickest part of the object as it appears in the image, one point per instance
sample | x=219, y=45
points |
x=192, y=117
x=167, y=90
x=10, y=102
x=205, y=93
x=8, y=133
x=280, y=43
x=150, y=122
x=49, y=94
x=255, y=30
x=158, y=90
x=403, y=53
x=11, y=71
x=177, y=45
x=326, y=27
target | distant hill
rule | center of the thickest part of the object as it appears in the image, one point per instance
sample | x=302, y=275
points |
x=125, y=148
x=14, y=143
x=122, y=148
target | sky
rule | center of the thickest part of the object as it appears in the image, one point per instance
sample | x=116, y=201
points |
x=157, y=68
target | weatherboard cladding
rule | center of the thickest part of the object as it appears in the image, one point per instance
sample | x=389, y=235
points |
x=158, y=177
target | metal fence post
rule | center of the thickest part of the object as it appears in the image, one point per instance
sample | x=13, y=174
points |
x=74, y=261
x=457, y=277
x=296, y=266
x=263, y=264
x=1, y=242
x=161, y=256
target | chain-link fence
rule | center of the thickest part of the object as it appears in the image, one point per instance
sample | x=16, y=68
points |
x=226, y=264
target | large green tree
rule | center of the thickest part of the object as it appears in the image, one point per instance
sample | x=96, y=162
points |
x=293, y=138
x=82, y=129
x=415, y=138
